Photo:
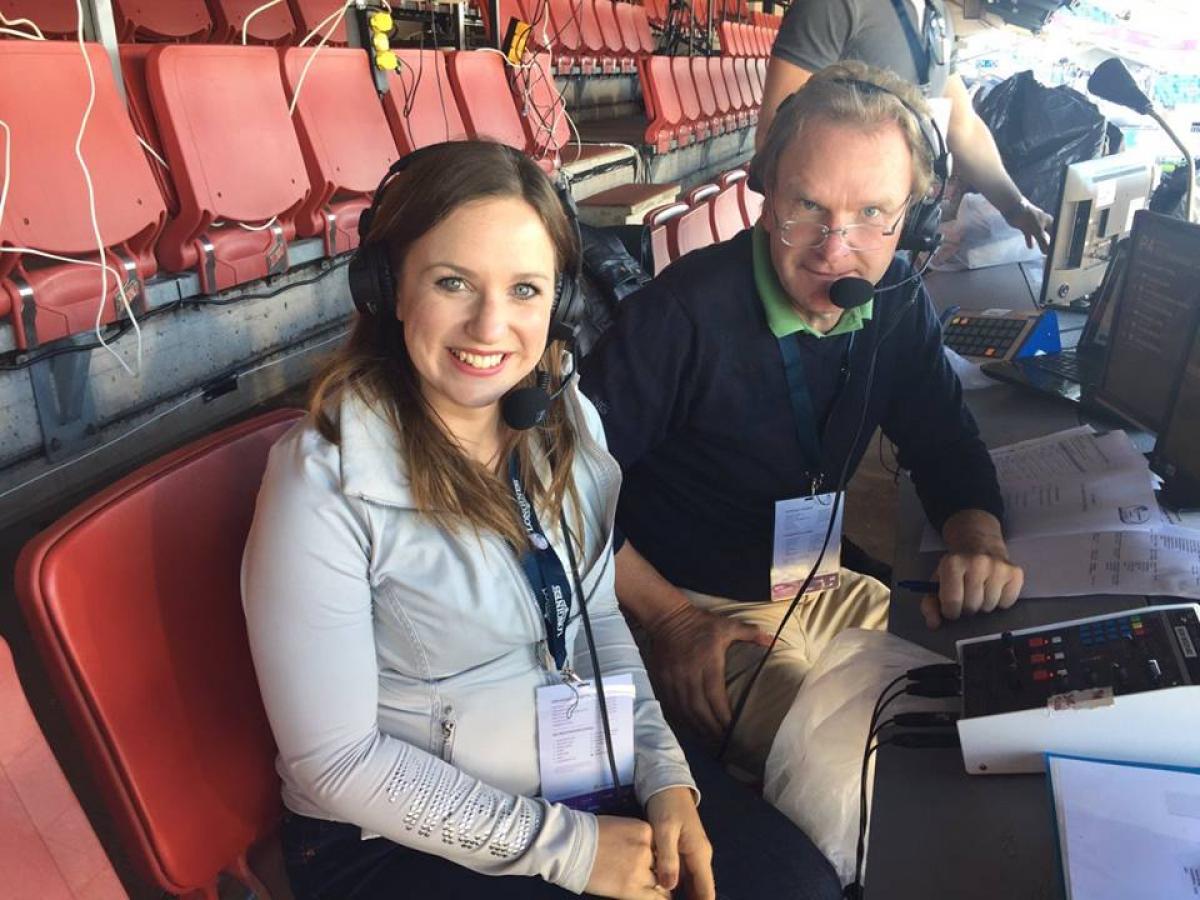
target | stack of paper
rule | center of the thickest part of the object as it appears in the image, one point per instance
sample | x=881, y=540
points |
x=1126, y=831
x=1081, y=518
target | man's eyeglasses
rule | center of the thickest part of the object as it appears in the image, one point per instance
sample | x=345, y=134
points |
x=805, y=233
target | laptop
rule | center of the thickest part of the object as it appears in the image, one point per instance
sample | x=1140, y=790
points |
x=1072, y=374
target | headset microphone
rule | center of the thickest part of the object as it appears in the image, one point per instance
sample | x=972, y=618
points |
x=525, y=408
x=850, y=292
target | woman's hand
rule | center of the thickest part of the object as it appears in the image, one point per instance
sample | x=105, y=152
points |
x=682, y=853
x=624, y=866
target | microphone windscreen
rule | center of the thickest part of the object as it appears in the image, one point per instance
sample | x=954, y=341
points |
x=524, y=408
x=847, y=293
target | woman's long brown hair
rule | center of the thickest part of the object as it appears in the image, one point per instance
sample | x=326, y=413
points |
x=446, y=484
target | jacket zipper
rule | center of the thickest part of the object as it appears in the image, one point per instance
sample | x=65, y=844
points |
x=448, y=725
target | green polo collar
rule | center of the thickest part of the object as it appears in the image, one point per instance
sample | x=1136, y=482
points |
x=781, y=317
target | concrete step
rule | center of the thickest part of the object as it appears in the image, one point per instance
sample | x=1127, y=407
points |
x=625, y=204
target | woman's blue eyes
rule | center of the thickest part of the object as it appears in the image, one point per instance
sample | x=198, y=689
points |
x=454, y=284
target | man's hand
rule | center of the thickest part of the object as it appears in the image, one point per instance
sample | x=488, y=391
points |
x=975, y=575
x=687, y=664
x=682, y=852
x=1034, y=222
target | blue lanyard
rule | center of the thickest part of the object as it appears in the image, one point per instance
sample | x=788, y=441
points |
x=802, y=408
x=918, y=48
x=544, y=571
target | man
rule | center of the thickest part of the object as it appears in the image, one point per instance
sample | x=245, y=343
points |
x=698, y=409
x=913, y=38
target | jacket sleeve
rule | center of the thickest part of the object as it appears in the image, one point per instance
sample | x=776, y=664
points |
x=308, y=604
x=641, y=374
x=659, y=762
x=935, y=434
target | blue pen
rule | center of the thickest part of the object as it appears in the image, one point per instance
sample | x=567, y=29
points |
x=921, y=587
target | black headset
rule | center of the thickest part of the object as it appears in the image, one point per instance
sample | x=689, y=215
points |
x=920, y=232
x=373, y=283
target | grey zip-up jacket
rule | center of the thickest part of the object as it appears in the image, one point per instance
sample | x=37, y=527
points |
x=398, y=660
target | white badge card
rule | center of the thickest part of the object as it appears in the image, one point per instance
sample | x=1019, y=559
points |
x=572, y=754
x=800, y=526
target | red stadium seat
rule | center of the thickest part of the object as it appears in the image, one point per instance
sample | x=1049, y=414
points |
x=732, y=176
x=141, y=112
x=741, y=103
x=701, y=193
x=725, y=34
x=566, y=24
x=689, y=100
x=56, y=18
x=49, y=848
x=726, y=213
x=656, y=222
x=766, y=39
x=420, y=105
x=635, y=30
x=751, y=202
x=311, y=13
x=656, y=11
x=344, y=164
x=690, y=231
x=668, y=128
x=716, y=78
x=47, y=206
x=751, y=95
x=234, y=158
x=274, y=25
x=481, y=88
x=591, y=34
x=145, y=644
x=755, y=73
x=708, y=99
x=545, y=37
x=542, y=110
x=614, y=42
x=181, y=20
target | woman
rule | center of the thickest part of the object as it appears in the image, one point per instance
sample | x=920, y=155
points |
x=396, y=637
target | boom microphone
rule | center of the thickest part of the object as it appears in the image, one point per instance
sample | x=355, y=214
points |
x=523, y=408
x=847, y=293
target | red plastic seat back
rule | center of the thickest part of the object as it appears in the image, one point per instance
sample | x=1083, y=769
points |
x=751, y=203
x=274, y=25
x=589, y=26
x=716, y=77
x=614, y=42
x=134, y=602
x=662, y=89
x=704, y=87
x=733, y=84
x=420, y=105
x=641, y=22
x=564, y=25
x=656, y=11
x=311, y=13
x=56, y=18
x=690, y=231
x=543, y=109
x=145, y=20
x=627, y=22
x=685, y=86
x=750, y=96
x=726, y=213
x=484, y=100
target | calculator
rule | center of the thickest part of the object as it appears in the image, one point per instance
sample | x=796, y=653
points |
x=1001, y=334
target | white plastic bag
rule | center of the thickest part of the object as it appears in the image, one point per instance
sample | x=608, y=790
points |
x=814, y=768
x=978, y=237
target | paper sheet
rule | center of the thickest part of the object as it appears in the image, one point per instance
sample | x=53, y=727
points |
x=1164, y=560
x=572, y=753
x=1127, y=831
x=800, y=528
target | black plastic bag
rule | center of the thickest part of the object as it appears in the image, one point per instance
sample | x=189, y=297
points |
x=610, y=274
x=1039, y=130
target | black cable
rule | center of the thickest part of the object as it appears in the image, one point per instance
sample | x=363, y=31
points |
x=837, y=501
x=591, y=642
x=124, y=326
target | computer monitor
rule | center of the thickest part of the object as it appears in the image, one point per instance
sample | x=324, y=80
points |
x=1096, y=204
x=1177, y=453
x=1154, y=323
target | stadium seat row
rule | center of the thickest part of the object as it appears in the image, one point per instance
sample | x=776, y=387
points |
x=584, y=36
x=745, y=40
x=690, y=99
x=217, y=21
x=231, y=178
x=708, y=214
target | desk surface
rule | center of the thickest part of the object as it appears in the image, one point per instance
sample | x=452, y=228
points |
x=937, y=832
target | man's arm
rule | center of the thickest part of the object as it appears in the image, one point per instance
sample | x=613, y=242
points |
x=783, y=80
x=687, y=645
x=977, y=160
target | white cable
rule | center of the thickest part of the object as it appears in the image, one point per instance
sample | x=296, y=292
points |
x=7, y=167
x=162, y=162
x=21, y=34
x=166, y=412
x=253, y=13
x=36, y=31
x=263, y=227
x=312, y=56
x=91, y=191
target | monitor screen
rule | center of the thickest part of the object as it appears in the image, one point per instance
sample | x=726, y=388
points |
x=1177, y=455
x=1153, y=323
x=1096, y=205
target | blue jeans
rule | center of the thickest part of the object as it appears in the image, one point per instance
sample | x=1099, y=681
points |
x=757, y=853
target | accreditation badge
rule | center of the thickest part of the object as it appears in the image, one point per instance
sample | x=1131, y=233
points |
x=800, y=528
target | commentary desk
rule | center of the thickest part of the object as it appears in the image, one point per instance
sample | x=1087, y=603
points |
x=938, y=833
